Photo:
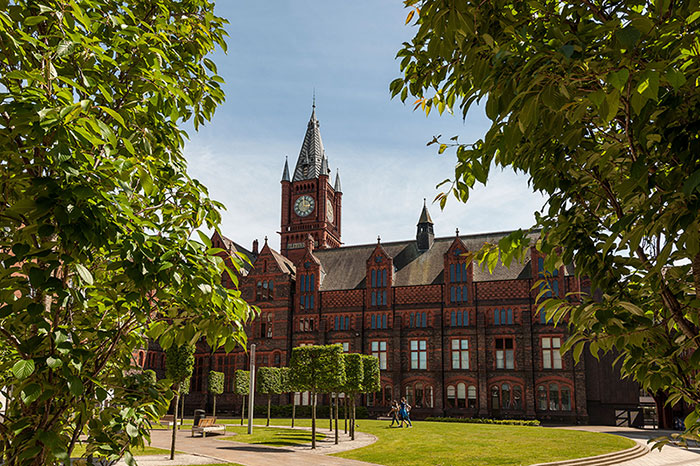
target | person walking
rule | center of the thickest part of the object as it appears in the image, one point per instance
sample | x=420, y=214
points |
x=394, y=413
x=404, y=409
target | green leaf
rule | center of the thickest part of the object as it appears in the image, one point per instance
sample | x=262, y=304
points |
x=675, y=78
x=54, y=363
x=34, y=20
x=84, y=274
x=649, y=85
x=618, y=79
x=23, y=369
x=691, y=183
x=628, y=36
x=30, y=393
x=114, y=115
x=75, y=385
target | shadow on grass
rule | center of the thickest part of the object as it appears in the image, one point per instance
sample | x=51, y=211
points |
x=278, y=439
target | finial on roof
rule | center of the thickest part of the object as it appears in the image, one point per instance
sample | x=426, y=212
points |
x=424, y=203
x=379, y=239
x=313, y=104
x=265, y=239
x=337, y=187
x=324, y=165
x=457, y=232
x=285, y=172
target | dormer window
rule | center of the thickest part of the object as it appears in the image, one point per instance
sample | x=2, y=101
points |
x=307, y=288
x=265, y=290
x=378, y=284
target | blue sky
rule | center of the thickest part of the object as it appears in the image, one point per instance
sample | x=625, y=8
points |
x=279, y=52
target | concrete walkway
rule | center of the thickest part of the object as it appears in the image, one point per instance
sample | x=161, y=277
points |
x=262, y=455
x=668, y=456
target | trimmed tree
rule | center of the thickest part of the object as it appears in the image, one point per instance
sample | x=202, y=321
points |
x=371, y=377
x=242, y=387
x=287, y=387
x=268, y=383
x=216, y=386
x=354, y=378
x=316, y=369
x=179, y=362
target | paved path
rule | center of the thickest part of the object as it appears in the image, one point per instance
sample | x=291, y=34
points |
x=261, y=455
x=668, y=456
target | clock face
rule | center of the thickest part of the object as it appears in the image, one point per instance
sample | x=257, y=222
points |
x=330, y=215
x=304, y=205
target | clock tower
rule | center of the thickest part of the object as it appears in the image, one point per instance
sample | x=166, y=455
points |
x=310, y=204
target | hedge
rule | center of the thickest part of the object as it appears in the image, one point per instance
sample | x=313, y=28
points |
x=471, y=420
x=322, y=411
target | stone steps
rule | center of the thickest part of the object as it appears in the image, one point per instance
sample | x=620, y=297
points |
x=603, y=460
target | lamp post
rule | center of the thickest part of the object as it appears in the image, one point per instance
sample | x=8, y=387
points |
x=251, y=389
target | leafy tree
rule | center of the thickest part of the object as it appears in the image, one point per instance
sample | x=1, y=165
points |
x=597, y=103
x=287, y=387
x=316, y=369
x=354, y=380
x=216, y=386
x=242, y=387
x=268, y=382
x=98, y=216
x=179, y=362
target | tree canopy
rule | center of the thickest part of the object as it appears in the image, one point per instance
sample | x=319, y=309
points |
x=597, y=103
x=99, y=219
x=242, y=382
x=354, y=373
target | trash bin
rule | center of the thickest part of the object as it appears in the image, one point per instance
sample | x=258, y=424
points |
x=198, y=414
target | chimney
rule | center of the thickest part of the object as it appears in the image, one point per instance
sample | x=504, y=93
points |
x=255, y=247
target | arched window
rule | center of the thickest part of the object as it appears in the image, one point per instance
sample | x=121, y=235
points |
x=541, y=398
x=461, y=395
x=387, y=395
x=495, y=398
x=517, y=397
x=505, y=395
x=553, y=397
x=418, y=390
x=374, y=278
x=451, y=396
x=471, y=397
x=409, y=394
x=420, y=395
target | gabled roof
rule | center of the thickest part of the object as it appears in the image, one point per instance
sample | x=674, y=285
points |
x=346, y=267
x=232, y=248
x=312, y=152
x=283, y=263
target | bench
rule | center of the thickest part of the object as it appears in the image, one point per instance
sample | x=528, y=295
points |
x=207, y=424
x=168, y=420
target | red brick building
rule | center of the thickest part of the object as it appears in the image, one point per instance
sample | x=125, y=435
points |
x=452, y=338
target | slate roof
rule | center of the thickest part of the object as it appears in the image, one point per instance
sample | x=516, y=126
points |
x=283, y=263
x=345, y=267
x=312, y=152
x=233, y=248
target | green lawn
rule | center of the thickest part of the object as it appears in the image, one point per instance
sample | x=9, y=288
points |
x=272, y=436
x=438, y=443
x=442, y=444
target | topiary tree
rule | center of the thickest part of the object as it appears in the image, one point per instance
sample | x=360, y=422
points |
x=268, y=382
x=354, y=378
x=216, y=386
x=179, y=362
x=316, y=369
x=286, y=386
x=242, y=387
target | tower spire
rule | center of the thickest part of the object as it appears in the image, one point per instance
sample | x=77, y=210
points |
x=312, y=152
x=285, y=172
x=336, y=186
x=425, y=234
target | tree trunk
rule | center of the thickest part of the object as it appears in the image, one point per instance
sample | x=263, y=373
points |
x=313, y=420
x=214, y=409
x=182, y=411
x=352, y=419
x=294, y=407
x=269, y=398
x=172, y=442
x=330, y=412
x=336, y=418
x=243, y=409
x=345, y=411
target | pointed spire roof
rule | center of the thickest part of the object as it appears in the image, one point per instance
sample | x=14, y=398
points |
x=285, y=173
x=336, y=186
x=324, y=166
x=425, y=215
x=312, y=153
